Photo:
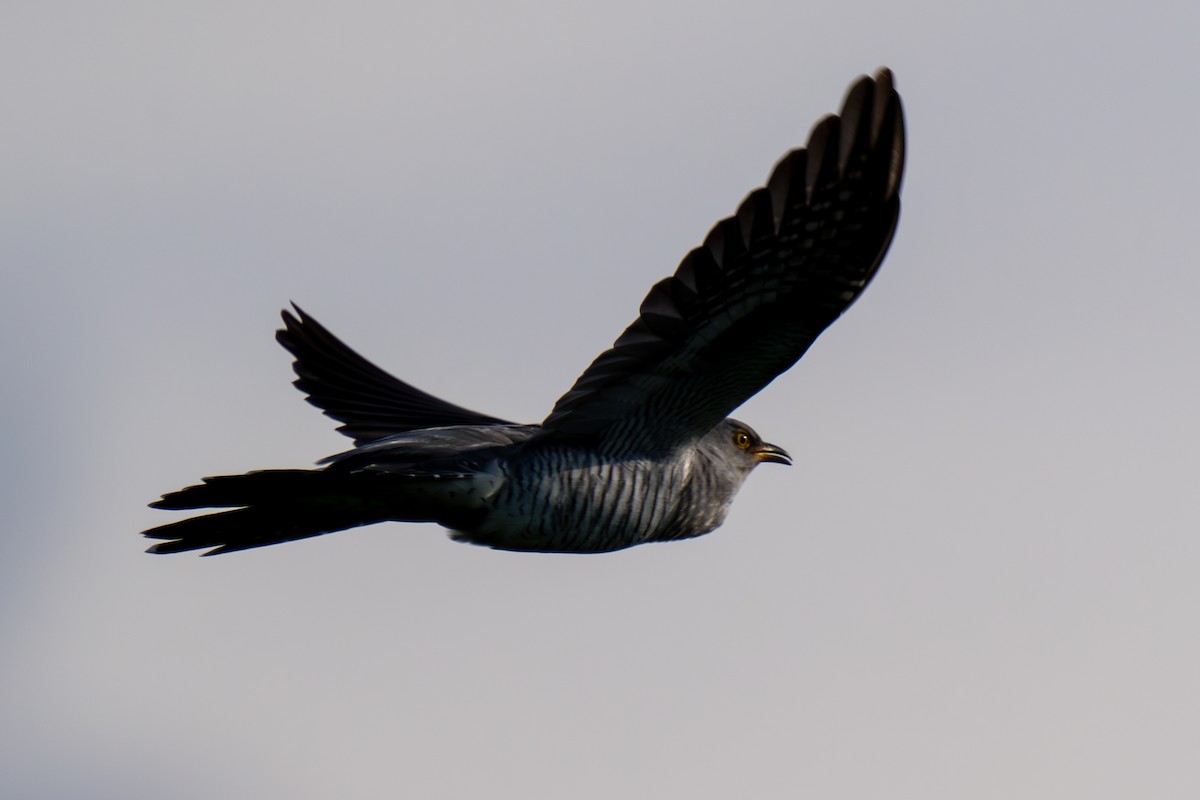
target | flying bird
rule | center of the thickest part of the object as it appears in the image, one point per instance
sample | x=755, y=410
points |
x=640, y=449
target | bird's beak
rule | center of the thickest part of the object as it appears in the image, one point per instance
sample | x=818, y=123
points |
x=769, y=452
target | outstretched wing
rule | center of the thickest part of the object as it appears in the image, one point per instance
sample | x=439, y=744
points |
x=745, y=305
x=350, y=389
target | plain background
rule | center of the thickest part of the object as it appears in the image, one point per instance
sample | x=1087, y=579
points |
x=978, y=581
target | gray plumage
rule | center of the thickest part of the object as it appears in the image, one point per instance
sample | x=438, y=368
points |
x=640, y=449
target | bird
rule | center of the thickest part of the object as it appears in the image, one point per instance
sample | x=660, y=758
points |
x=641, y=448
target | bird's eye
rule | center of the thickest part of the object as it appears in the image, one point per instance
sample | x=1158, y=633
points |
x=741, y=440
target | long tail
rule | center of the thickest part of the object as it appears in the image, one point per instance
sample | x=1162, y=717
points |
x=269, y=507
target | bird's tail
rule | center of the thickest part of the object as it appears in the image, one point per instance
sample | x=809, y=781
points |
x=269, y=507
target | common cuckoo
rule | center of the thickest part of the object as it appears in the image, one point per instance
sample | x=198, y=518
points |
x=639, y=449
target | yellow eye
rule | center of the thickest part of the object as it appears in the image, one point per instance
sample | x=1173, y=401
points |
x=741, y=440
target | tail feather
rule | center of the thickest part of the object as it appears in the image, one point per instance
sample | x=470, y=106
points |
x=242, y=529
x=269, y=507
x=232, y=491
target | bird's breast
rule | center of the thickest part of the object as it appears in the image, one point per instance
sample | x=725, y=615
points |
x=565, y=500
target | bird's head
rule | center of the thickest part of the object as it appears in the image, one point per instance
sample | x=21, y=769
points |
x=737, y=439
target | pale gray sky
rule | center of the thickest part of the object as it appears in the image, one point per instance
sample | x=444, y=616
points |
x=978, y=581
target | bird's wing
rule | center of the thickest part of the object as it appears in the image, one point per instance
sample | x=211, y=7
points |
x=352, y=390
x=745, y=305
x=433, y=451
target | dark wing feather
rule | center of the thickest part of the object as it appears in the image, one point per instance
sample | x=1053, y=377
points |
x=350, y=389
x=745, y=305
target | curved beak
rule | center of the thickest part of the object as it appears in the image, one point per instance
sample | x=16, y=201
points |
x=769, y=452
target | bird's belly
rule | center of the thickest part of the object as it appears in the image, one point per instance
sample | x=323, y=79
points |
x=588, y=509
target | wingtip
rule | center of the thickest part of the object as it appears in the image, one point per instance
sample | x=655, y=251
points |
x=889, y=111
x=297, y=324
x=292, y=316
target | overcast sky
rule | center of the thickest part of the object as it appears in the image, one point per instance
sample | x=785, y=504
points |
x=978, y=580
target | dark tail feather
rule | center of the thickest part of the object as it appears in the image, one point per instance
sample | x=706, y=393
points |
x=270, y=507
x=260, y=486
